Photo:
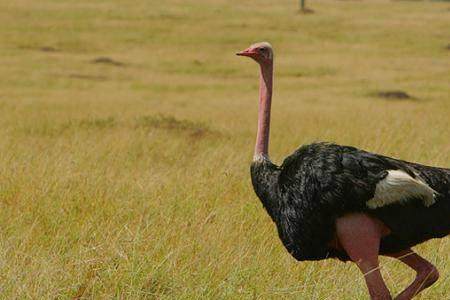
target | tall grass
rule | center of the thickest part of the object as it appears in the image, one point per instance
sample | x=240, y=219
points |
x=128, y=178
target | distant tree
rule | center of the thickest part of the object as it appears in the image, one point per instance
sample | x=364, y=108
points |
x=303, y=8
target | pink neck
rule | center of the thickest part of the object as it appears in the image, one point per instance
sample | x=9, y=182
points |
x=265, y=101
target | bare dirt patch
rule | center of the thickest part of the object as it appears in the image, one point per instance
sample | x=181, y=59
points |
x=49, y=49
x=88, y=77
x=107, y=61
x=394, y=95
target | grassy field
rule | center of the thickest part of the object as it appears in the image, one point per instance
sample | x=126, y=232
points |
x=127, y=130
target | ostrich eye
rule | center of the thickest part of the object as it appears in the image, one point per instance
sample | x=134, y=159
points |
x=262, y=49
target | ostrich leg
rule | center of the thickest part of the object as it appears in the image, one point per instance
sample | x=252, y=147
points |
x=360, y=236
x=427, y=274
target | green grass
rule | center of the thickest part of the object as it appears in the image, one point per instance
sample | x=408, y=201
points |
x=132, y=181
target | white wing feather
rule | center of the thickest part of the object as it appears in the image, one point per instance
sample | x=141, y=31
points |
x=398, y=187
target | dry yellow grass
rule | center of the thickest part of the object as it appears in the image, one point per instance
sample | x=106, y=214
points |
x=132, y=182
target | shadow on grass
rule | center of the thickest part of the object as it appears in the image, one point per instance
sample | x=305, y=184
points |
x=170, y=123
x=55, y=130
x=194, y=130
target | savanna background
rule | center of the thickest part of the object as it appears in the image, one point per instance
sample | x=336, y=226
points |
x=127, y=130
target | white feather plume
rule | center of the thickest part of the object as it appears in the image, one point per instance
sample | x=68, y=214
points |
x=399, y=187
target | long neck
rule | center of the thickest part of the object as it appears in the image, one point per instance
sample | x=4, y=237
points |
x=265, y=101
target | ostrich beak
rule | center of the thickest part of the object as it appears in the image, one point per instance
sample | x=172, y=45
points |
x=247, y=52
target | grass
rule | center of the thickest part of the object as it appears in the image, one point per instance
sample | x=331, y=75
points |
x=129, y=178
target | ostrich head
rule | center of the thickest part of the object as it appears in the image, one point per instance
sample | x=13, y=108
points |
x=261, y=52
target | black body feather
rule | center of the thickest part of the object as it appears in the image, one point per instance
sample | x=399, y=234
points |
x=321, y=182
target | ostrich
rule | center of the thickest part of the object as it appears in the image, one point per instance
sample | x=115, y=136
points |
x=332, y=201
